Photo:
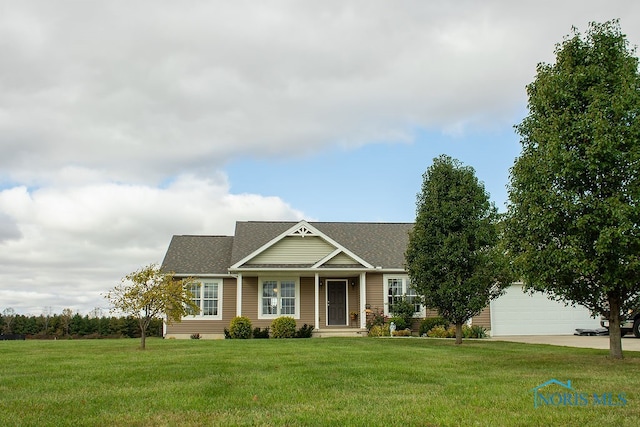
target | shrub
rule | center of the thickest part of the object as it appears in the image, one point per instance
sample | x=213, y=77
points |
x=402, y=333
x=240, y=328
x=195, y=336
x=264, y=333
x=283, y=327
x=404, y=309
x=305, y=332
x=399, y=322
x=467, y=332
x=475, y=331
x=379, y=331
x=442, y=332
x=430, y=322
x=227, y=335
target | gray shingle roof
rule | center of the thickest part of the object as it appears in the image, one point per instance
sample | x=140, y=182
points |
x=193, y=255
x=380, y=244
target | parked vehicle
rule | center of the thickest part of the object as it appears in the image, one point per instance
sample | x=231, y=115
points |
x=630, y=323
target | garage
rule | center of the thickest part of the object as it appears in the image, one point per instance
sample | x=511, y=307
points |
x=518, y=313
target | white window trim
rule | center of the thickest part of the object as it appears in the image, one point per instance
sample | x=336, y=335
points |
x=201, y=282
x=405, y=281
x=261, y=281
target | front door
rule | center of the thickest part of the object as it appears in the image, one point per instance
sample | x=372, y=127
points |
x=337, y=302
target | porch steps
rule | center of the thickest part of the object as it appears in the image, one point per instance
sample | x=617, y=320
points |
x=339, y=332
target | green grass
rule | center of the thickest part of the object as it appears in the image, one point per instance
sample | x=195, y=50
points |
x=341, y=381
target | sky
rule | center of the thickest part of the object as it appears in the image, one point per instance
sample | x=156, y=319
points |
x=123, y=123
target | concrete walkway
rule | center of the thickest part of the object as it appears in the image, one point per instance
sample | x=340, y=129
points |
x=629, y=342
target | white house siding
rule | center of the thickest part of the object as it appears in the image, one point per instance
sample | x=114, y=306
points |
x=518, y=313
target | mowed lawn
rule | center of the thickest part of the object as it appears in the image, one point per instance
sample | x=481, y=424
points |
x=330, y=381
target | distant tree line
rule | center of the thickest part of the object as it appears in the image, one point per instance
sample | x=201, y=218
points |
x=73, y=325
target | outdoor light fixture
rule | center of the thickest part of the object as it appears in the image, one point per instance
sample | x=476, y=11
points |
x=353, y=284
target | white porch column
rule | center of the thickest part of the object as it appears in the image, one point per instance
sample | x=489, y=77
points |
x=363, y=297
x=239, y=295
x=317, y=302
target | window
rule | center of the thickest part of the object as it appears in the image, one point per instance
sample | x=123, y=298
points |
x=208, y=296
x=397, y=287
x=279, y=297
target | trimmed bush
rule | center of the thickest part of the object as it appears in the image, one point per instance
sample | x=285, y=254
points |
x=402, y=333
x=195, y=336
x=431, y=322
x=305, y=332
x=240, y=328
x=283, y=327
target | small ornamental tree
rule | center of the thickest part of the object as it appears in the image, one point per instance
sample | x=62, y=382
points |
x=573, y=225
x=149, y=293
x=453, y=258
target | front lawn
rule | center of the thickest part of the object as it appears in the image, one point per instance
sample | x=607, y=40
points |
x=321, y=381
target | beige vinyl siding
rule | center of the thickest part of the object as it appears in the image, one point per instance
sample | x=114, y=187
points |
x=229, y=297
x=294, y=250
x=341, y=259
x=375, y=291
x=483, y=319
x=307, y=301
x=250, y=302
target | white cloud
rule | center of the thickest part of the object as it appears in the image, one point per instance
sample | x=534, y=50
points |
x=167, y=86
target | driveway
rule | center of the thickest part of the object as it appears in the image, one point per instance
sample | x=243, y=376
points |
x=629, y=343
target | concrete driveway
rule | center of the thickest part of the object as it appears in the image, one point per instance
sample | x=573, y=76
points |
x=629, y=342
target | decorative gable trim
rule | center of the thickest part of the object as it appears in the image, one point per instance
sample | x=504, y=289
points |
x=302, y=229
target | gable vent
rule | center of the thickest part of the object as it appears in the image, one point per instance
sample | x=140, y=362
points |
x=302, y=231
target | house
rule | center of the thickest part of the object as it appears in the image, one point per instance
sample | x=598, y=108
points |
x=318, y=273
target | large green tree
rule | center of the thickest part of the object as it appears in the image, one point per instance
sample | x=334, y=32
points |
x=149, y=293
x=574, y=193
x=453, y=257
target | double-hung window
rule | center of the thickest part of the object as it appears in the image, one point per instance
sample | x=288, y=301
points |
x=398, y=287
x=279, y=297
x=207, y=295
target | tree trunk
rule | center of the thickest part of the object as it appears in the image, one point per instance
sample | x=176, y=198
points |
x=615, y=336
x=143, y=337
x=458, y=333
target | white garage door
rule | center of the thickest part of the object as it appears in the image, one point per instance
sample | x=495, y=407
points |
x=518, y=313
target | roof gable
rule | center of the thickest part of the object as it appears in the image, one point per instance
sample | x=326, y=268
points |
x=300, y=245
